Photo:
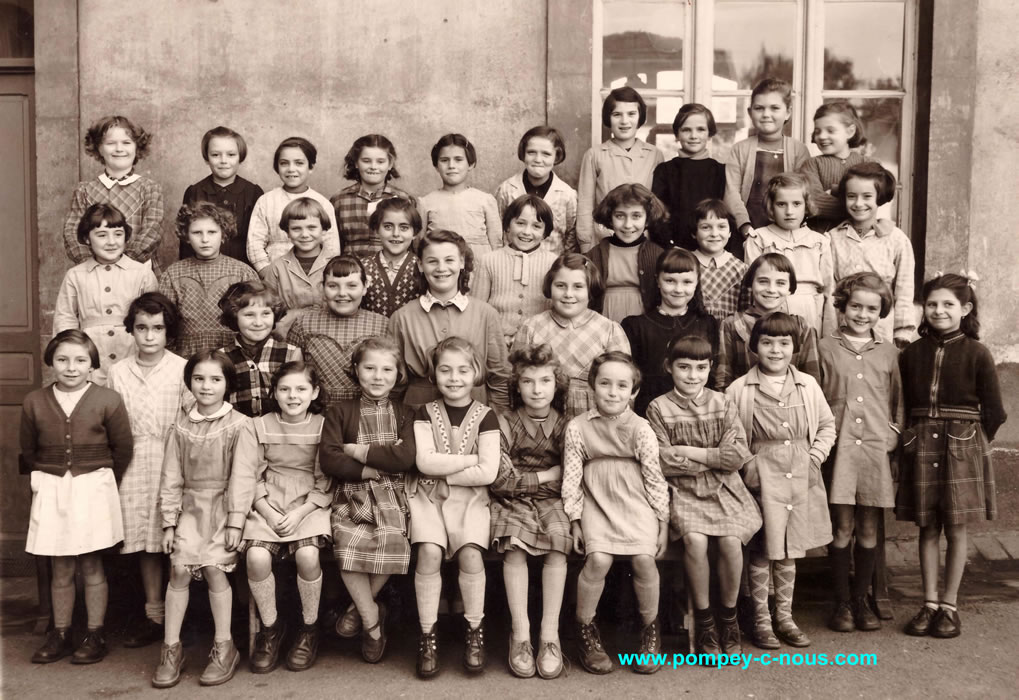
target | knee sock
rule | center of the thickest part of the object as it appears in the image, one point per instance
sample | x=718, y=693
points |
x=310, y=592
x=155, y=612
x=864, y=558
x=472, y=589
x=222, y=607
x=428, y=590
x=759, y=578
x=553, y=584
x=63, y=604
x=838, y=557
x=785, y=582
x=176, y=606
x=647, y=592
x=588, y=594
x=264, y=593
x=96, y=597
x=515, y=578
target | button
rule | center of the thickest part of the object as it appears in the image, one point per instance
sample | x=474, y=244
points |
x=108, y=289
x=859, y=420
x=786, y=442
x=113, y=356
x=859, y=376
x=68, y=420
x=859, y=357
x=935, y=465
x=859, y=442
x=68, y=436
x=785, y=424
x=781, y=403
x=109, y=333
x=109, y=311
x=789, y=475
x=68, y=451
x=521, y=296
x=859, y=399
x=107, y=268
x=935, y=436
x=789, y=507
x=520, y=312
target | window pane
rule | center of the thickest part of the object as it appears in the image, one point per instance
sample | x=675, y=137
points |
x=642, y=44
x=863, y=45
x=16, y=29
x=658, y=129
x=753, y=41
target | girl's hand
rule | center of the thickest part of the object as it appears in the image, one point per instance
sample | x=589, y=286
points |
x=663, y=539
x=551, y=474
x=167, y=543
x=370, y=473
x=289, y=523
x=233, y=538
x=348, y=449
x=578, y=537
x=815, y=474
x=901, y=343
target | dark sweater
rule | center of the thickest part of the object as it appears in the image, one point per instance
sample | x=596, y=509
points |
x=341, y=426
x=959, y=373
x=96, y=435
x=238, y=197
x=647, y=258
x=681, y=184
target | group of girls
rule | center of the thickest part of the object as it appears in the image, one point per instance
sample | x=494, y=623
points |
x=497, y=389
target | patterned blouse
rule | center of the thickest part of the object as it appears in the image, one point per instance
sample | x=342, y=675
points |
x=385, y=295
x=253, y=375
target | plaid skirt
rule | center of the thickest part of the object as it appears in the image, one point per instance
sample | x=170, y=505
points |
x=536, y=525
x=369, y=522
x=946, y=475
x=284, y=550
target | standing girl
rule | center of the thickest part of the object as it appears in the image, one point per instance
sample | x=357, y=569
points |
x=626, y=259
x=371, y=164
x=954, y=407
x=393, y=275
x=527, y=510
x=151, y=383
x=702, y=447
x=791, y=430
x=860, y=378
x=205, y=494
x=458, y=207
x=620, y=160
x=510, y=278
x=368, y=444
x=293, y=161
x=618, y=504
x=576, y=333
x=808, y=251
x=95, y=294
x=118, y=144
x=195, y=285
x=837, y=131
x=721, y=272
x=290, y=517
x=866, y=243
x=674, y=311
x=76, y=440
x=540, y=149
x=457, y=458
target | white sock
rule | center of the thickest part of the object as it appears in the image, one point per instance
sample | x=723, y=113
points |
x=310, y=592
x=588, y=594
x=514, y=575
x=428, y=589
x=222, y=608
x=553, y=583
x=472, y=588
x=264, y=593
x=176, y=606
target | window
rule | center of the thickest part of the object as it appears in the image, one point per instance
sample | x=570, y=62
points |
x=715, y=51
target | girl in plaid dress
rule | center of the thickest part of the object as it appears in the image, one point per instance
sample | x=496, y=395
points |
x=151, y=382
x=368, y=444
x=721, y=272
x=393, y=275
x=527, y=511
x=954, y=408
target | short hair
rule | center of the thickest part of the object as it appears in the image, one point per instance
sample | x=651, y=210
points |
x=456, y=344
x=776, y=325
x=788, y=181
x=707, y=208
x=963, y=290
x=677, y=261
x=847, y=115
x=304, y=208
x=688, y=347
x=75, y=337
x=613, y=356
x=690, y=109
x=622, y=94
x=153, y=303
x=224, y=132
x=776, y=85
x=865, y=282
x=777, y=262
x=318, y=404
x=95, y=134
x=541, y=355
x=190, y=213
x=541, y=209
x=631, y=194
x=378, y=343
x=241, y=294
x=543, y=131
x=884, y=181
x=306, y=147
x=94, y=217
x=400, y=204
x=343, y=265
x=576, y=261
x=454, y=140
x=220, y=358
x=446, y=236
x=350, y=171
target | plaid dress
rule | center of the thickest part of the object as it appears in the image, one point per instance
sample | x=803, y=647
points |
x=253, y=374
x=526, y=514
x=735, y=357
x=720, y=280
x=369, y=517
x=353, y=208
x=384, y=296
x=327, y=341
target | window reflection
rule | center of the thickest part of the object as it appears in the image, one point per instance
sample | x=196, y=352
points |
x=643, y=45
x=753, y=41
x=863, y=45
x=16, y=30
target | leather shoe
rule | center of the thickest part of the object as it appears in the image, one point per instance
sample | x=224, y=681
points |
x=373, y=649
x=57, y=646
x=428, y=654
x=920, y=625
x=474, y=649
x=592, y=654
x=842, y=619
x=550, y=660
x=147, y=632
x=349, y=624
x=946, y=624
x=651, y=648
x=705, y=637
x=266, y=655
x=792, y=635
x=764, y=637
x=521, y=658
x=92, y=649
x=223, y=660
x=729, y=636
x=863, y=617
x=171, y=665
x=304, y=650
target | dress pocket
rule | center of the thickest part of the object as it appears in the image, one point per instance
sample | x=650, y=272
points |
x=907, y=442
x=963, y=448
x=361, y=510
